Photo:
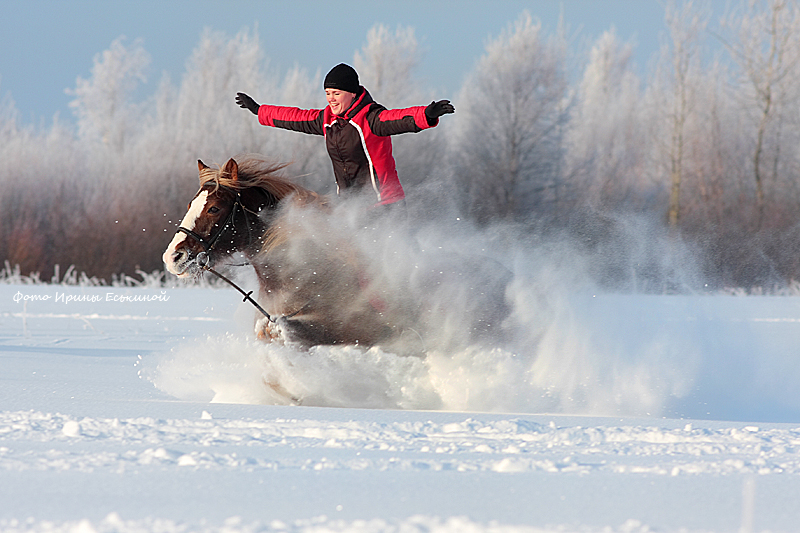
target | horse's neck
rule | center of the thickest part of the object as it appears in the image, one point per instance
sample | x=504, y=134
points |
x=257, y=220
x=269, y=278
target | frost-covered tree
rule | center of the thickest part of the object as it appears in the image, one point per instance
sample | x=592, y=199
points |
x=511, y=112
x=766, y=47
x=102, y=103
x=208, y=122
x=672, y=100
x=9, y=117
x=605, y=139
x=386, y=65
x=43, y=187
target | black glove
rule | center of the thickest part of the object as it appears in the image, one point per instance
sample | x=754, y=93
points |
x=245, y=102
x=437, y=109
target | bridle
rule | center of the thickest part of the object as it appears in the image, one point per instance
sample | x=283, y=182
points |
x=208, y=244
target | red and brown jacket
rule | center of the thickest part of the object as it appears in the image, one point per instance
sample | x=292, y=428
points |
x=358, y=142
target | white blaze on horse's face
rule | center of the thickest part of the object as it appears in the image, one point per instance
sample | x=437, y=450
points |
x=177, y=260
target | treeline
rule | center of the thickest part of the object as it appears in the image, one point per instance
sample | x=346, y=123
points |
x=552, y=137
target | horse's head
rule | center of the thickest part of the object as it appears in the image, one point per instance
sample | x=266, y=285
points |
x=223, y=218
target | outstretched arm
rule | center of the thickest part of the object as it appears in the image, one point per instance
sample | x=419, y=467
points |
x=386, y=122
x=289, y=118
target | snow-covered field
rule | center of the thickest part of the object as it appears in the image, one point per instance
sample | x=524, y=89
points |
x=135, y=409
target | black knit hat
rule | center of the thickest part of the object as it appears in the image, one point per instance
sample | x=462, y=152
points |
x=342, y=77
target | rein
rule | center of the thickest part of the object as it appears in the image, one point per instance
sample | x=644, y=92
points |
x=202, y=260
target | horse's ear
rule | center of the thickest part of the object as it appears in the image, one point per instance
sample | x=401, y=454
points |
x=201, y=166
x=231, y=169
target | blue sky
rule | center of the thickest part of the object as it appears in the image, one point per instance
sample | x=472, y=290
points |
x=46, y=44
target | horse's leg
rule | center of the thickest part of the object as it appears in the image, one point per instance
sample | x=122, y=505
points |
x=266, y=330
x=286, y=330
x=278, y=388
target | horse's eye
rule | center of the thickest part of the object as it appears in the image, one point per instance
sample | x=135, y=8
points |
x=213, y=209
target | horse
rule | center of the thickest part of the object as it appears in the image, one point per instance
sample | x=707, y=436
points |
x=319, y=286
x=314, y=296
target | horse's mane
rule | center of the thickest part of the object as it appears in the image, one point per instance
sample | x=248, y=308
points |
x=258, y=171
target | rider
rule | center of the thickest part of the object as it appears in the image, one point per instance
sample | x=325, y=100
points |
x=357, y=131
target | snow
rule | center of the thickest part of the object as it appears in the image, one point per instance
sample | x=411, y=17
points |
x=141, y=409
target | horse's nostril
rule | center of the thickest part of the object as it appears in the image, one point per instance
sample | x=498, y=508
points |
x=177, y=256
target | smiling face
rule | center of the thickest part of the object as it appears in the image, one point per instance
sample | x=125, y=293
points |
x=339, y=100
